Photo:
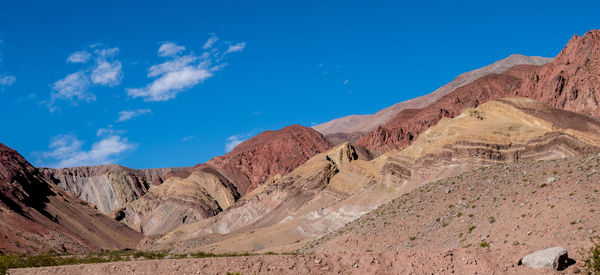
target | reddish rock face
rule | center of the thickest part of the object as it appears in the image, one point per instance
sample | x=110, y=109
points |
x=404, y=128
x=570, y=82
x=269, y=153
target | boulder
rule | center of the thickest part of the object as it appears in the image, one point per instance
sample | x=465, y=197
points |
x=554, y=257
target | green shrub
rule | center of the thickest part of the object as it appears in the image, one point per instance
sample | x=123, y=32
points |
x=592, y=263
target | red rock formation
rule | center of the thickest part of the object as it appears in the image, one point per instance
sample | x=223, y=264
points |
x=269, y=153
x=571, y=82
x=404, y=128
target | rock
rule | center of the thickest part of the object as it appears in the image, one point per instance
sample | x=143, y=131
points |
x=550, y=180
x=554, y=257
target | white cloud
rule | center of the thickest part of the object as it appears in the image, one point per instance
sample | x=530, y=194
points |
x=210, y=42
x=234, y=141
x=108, y=131
x=105, y=53
x=79, y=57
x=178, y=74
x=7, y=80
x=73, y=88
x=236, y=48
x=129, y=114
x=105, y=71
x=66, y=151
x=169, y=49
x=188, y=138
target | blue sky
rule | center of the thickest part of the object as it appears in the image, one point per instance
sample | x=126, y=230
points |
x=157, y=84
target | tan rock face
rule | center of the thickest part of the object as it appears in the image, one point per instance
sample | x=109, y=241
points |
x=108, y=186
x=177, y=201
x=37, y=217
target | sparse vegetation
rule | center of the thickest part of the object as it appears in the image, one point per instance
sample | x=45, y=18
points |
x=52, y=259
x=491, y=219
x=592, y=261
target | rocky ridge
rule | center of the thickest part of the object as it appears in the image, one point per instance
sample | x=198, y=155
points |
x=360, y=124
x=569, y=82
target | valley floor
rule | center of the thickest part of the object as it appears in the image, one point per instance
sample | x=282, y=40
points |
x=455, y=261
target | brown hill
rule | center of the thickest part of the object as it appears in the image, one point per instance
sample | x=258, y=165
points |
x=36, y=216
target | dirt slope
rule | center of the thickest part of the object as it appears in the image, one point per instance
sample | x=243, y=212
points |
x=527, y=203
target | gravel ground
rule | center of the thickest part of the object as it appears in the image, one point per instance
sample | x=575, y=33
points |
x=459, y=261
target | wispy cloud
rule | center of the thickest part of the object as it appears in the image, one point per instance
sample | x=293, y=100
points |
x=169, y=49
x=235, y=48
x=105, y=71
x=73, y=87
x=178, y=74
x=79, y=57
x=108, y=131
x=129, y=114
x=235, y=140
x=188, y=138
x=7, y=80
x=67, y=151
x=210, y=42
x=346, y=82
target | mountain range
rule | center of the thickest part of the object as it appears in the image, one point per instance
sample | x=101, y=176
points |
x=512, y=140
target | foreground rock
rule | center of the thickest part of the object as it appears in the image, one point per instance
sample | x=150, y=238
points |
x=555, y=258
